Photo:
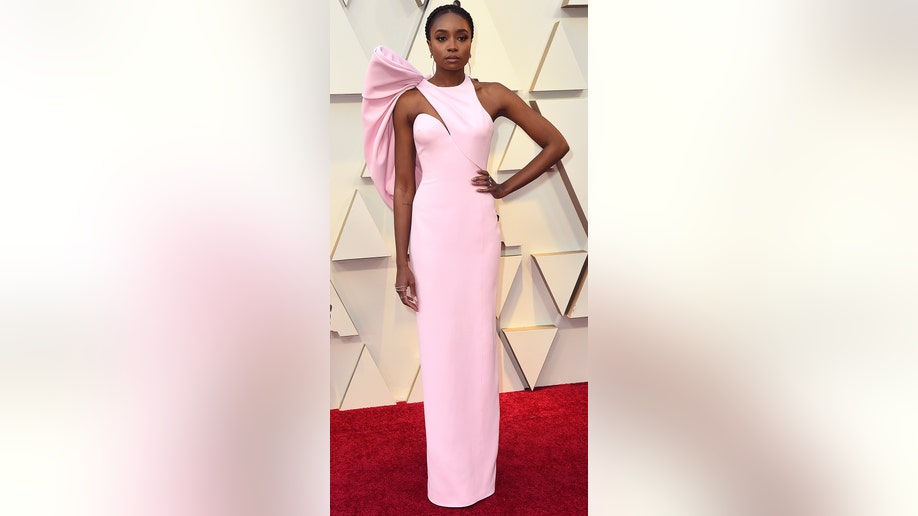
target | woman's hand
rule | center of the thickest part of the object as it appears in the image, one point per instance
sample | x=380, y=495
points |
x=486, y=184
x=404, y=287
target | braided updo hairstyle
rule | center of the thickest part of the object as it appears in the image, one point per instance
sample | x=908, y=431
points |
x=454, y=8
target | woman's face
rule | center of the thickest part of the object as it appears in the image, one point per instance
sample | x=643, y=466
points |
x=450, y=41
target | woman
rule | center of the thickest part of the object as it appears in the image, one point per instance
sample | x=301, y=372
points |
x=427, y=142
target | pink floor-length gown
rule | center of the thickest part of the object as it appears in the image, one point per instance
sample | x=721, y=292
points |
x=455, y=255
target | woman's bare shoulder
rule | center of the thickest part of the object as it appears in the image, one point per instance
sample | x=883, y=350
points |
x=408, y=98
x=489, y=88
x=408, y=104
x=494, y=96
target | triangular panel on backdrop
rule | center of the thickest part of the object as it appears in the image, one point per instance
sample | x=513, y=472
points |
x=568, y=116
x=490, y=60
x=343, y=357
x=348, y=63
x=530, y=347
x=389, y=23
x=417, y=389
x=511, y=377
x=503, y=130
x=579, y=307
x=509, y=270
x=421, y=3
x=366, y=171
x=574, y=3
x=507, y=240
x=359, y=237
x=558, y=70
x=560, y=272
x=341, y=322
x=367, y=387
x=519, y=152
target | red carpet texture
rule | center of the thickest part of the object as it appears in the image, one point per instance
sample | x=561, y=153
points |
x=378, y=463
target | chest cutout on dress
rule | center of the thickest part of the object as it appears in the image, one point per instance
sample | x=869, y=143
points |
x=459, y=111
x=434, y=114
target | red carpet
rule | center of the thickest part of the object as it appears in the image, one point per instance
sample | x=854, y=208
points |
x=378, y=461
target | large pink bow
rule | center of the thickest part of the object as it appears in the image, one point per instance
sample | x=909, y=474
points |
x=388, y=76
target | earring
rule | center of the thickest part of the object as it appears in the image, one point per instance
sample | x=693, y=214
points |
x=470, y=67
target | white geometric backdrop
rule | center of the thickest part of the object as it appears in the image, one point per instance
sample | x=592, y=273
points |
x=538, y=48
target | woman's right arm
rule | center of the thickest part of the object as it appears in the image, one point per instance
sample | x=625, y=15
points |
x=403, y=198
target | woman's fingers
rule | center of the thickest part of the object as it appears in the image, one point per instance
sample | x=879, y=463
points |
x=407, y=294
x=484, y=182
x=409, y=298
x=409, y=301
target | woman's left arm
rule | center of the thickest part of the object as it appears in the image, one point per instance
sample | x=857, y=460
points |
x=553, y=144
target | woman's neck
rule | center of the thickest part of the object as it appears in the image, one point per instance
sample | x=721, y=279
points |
x=444, y=78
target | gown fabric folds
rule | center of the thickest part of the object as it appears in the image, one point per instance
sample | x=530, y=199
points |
x=455, y=256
